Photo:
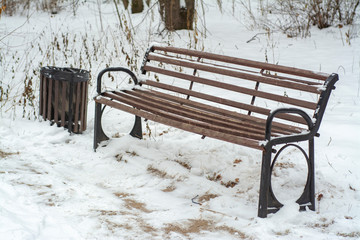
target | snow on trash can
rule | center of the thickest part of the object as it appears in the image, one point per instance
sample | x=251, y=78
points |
x=63, y=97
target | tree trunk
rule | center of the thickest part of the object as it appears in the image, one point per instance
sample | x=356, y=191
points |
x=177, y=17
x=126, y=3
x=137, y=6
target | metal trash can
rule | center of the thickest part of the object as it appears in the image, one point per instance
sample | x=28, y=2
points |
x=63, y=97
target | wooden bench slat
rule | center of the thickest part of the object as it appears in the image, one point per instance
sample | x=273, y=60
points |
x=235, y=88
x=177, y=115
x=231, y=73
x=182, y=125
x=293, y=79
x=245, y=119
x=194, y=113
x=255, y=123
x=245, y=62
x=227, y=102
x=260, y=71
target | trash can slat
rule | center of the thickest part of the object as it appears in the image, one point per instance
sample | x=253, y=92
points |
x=63, y=97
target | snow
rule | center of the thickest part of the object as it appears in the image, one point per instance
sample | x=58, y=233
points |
x=54, y=186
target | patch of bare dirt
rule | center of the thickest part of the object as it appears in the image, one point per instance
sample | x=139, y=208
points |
x=196, y=226
x=169, y=188
x=207, y=197
x=121, y=194
x=192, y=226
x=131, y=204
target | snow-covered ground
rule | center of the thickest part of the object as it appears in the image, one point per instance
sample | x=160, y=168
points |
x=53, y=186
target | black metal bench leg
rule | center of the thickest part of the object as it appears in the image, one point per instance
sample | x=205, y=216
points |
x=268, y=203
x=307, y=199
x=264, y=183
x=267, y=200
x=99, y=134
x=137, y=129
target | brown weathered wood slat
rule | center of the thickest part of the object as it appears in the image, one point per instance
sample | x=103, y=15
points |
x=243, y=119
x=183, y=125
x=63, y=102
x=49, y=99
x=77, y=107
x=261, y=72
x=83, y=106
x=41, y=94
x=292, y=79
x=191, y=112
x=231, y=73
x=230, y=121
x=141, y=94
x=227, y=102
x=44, y=97
x=245, y=62
x=56, y=104
x=174, y=115
x=235, y=88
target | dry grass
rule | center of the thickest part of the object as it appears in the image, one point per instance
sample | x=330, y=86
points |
x=121, y=194
x=157, y=172
x=183, y=164
x=349, y=235
x=207, y=197
x=133, y=204
x=170, y=188
x=6, y=154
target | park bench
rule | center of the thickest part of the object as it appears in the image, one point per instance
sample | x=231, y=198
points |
x=249, y=103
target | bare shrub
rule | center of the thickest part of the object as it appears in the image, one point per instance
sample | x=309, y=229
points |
x=295, y=17
x=12, y=7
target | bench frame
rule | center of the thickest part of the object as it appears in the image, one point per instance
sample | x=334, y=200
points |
x=268, y=203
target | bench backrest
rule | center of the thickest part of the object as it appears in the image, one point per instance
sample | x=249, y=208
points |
x=246, y=86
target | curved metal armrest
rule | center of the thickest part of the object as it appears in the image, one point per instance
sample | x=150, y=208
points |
x=114, y=69
x=286, y=110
